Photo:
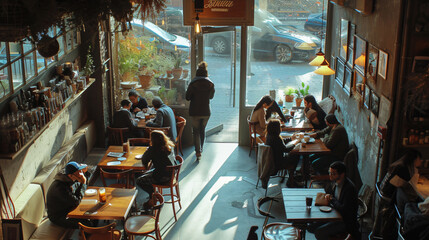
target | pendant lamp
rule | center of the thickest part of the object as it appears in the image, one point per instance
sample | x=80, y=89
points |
x=318, y=60
x=197, y=25
x=324, y=69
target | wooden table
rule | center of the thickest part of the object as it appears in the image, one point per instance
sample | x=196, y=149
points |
x=296, y=210
x=297, y=124
x=142, y=121
x=421, y=186
x=130, y=163
x=117, y=206
x=318, y=147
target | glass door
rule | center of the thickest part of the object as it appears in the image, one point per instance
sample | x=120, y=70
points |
x=220, y=47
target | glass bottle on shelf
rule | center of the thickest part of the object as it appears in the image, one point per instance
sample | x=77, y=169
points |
x=422, y=137
x=427, y=137
x=411, y=137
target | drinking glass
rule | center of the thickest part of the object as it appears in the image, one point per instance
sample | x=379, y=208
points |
x=308, y=202
x=102, y=194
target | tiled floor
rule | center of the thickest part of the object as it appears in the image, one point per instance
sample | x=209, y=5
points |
x=218, y=196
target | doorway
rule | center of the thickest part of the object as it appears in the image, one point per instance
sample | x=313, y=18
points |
x=220, y=53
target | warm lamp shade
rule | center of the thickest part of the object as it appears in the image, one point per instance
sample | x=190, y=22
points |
x=324, y=69
x=360, y=60
x=318, y=60
x=197, y=25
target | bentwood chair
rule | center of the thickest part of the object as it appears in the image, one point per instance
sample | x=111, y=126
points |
x=173, y=185
x=145, y=225
x=139, y=141
x=148, y=130
x=253, y=136
x=180, y=125
x=123, y=178
x=107, y=232
x=117, y=136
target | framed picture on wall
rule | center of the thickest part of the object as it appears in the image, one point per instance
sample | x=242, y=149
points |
x=347, y=80
x=339, y=71
x=375, y=102
x=372, y=63
x=382, y=63
x=343, y=39
x=360, y=54
x=351, y=45
x=420, y=64
x=367, y=97
x=358, y=83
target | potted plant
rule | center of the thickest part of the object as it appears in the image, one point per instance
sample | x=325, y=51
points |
x=177, y=70
x=300, y=93
x=88, y=69
x=289, y=91
x=128, y=58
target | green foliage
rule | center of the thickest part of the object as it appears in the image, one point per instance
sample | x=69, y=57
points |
x=88, y=69
x=171, y=96
x=289, y=91
x=302, y=91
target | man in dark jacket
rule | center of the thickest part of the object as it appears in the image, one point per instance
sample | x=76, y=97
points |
x=124, y=119
x=343, y=197
x=139, y=102
x=199, y=92
x=65, y=194
x=164, y=118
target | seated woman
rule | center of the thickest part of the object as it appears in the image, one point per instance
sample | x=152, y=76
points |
x=281, y=159
x=161, y=154
x=260, y=114
x=395, y=184
x=336, y=140
x=314, y=112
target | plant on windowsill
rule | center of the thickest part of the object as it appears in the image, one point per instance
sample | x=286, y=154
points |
x=289, y=91
x=88, y=69
x=177, y=70
x=300, y=93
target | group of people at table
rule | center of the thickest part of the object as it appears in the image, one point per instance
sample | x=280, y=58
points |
x=68, y=189
x=342, y=193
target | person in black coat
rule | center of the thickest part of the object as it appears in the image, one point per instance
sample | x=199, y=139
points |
x=199, y=92
x=164, y=118
x=124, y=119
x=343, y=197
x=139, y=102
x=280, y=148
x=65, y=194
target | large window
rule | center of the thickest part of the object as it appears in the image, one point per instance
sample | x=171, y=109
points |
x=20, y=62
x=280, y=50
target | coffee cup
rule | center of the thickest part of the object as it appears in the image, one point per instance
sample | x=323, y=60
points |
x=308, y=202
x=306, y=138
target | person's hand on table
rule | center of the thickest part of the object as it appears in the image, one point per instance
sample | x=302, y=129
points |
x=313, y=135
x=137, y=109
x=328, y=197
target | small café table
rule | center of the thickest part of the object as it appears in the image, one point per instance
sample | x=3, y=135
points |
x=297, y=124
x=296, y=210
x=130, y=163
x=421, y=186
x=117, y=206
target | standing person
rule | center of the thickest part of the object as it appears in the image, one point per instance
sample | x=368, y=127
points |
x=199, y=92
x=161, y=154
x=65, y=194
x=139, y=102
x=336, y=140
x=397, y=177
x=164, y=118
x=314, y=112
x=343, y=197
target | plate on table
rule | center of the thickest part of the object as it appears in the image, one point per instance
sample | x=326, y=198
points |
x=140, y=114
x=113, y=163
x=139, y=156
x=312, y=140
x=122, y=159
x=90, y=192
x=325, y=209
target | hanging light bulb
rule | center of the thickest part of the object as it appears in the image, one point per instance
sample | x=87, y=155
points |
x=324, y=69
x=320, y=57
x=197, y=25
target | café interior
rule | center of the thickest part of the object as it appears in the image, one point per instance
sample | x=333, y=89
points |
x=65, y=66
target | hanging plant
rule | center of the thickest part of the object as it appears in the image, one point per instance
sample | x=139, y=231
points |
x=48, y=46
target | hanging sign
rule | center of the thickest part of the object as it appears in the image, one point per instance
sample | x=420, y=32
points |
x=220, y=12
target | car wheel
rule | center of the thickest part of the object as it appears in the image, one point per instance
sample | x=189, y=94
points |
x=220, y=45
x=283, y=54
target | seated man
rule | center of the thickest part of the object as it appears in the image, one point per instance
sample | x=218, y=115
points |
x=343, y=197
x=139, y=102
x=336, y=140
x=164, y=118
x=124, y=119
x=65, y=194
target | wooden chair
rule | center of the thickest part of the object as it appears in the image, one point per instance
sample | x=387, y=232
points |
x=173, y=184
x=117, y=136
x=180, y=125
x=266, y=168
x=107, y=232
x=253, y=135
x=139, y=141
x=144, y=225
x=125, y=176
x=148, y=130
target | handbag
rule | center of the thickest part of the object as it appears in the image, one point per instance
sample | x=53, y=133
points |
x=321, y=200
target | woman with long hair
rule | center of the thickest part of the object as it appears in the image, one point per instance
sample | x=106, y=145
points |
x=161, y=154
x=280, y=149
x=314, y=112
x=258, y=115
x=199, y=92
